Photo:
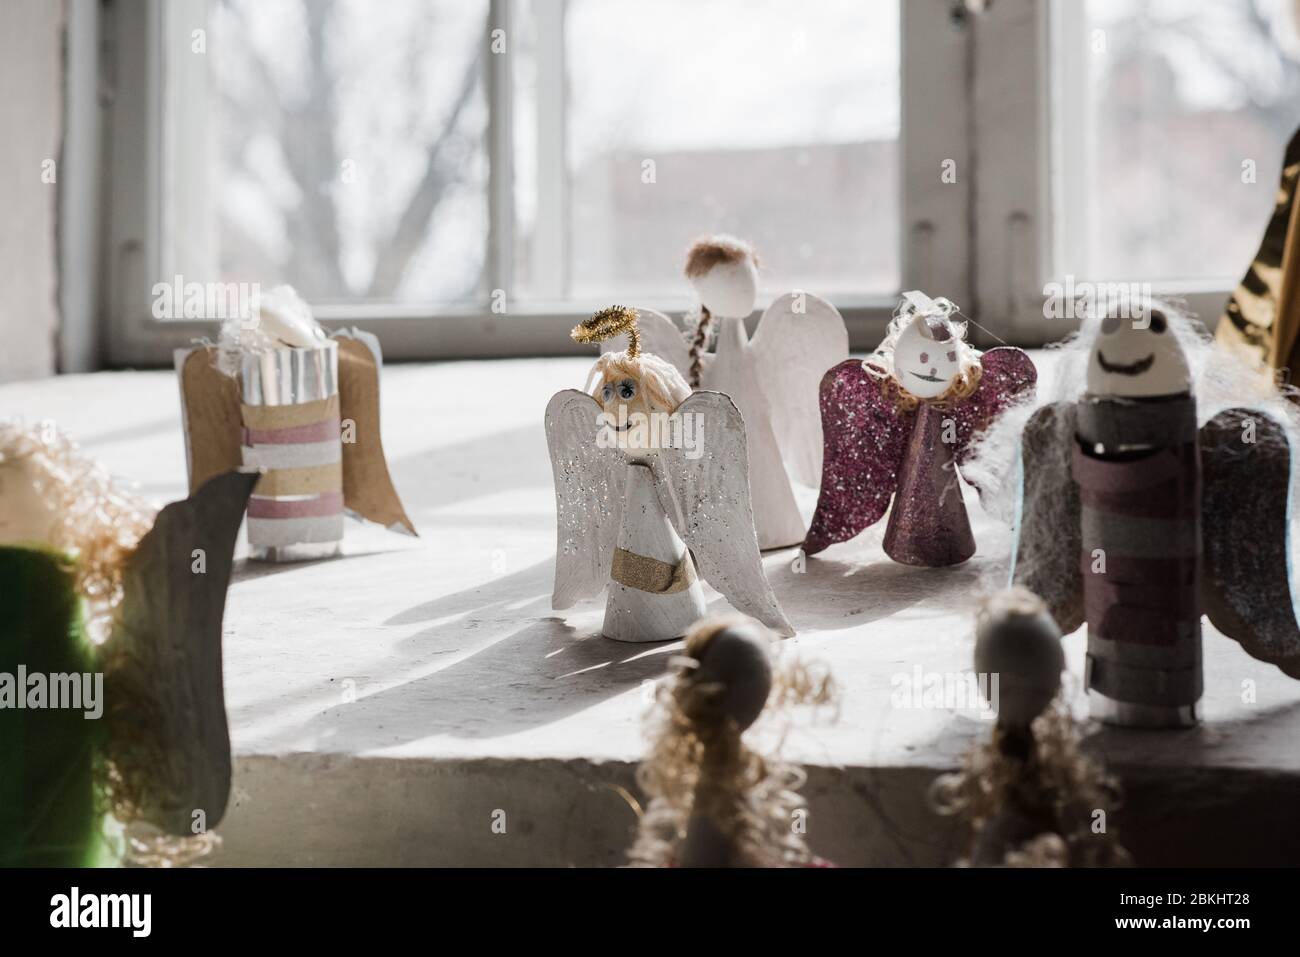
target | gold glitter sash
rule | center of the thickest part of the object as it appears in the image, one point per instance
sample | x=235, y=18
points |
x=651, y=575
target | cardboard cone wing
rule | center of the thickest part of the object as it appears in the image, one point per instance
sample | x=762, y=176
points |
x=654, y=593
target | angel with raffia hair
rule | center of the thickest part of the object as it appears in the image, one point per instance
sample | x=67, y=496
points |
x=652, y=494
x=772, y=378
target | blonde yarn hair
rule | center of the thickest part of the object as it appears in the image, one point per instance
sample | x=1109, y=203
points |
x=751, y=798
x=662, y=384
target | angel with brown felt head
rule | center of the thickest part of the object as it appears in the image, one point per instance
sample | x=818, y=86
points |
x=713, y=800
x=652, y=494
x=772, y=377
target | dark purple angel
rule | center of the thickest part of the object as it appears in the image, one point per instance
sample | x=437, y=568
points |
x=898, y=424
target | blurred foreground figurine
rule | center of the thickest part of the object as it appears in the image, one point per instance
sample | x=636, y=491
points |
x=898, y=424
x=713, y=802
x=1030, y=797
x=1136, y=521
x=643, y=469
x=771, y=378
x=280, y=395
x=113, y=736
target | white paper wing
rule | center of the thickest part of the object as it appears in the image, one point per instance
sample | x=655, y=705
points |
x=708, y=475
x=589, y=484
x=660, y=336
x=798, y=340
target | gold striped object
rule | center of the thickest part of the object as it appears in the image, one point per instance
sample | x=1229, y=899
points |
x=650, y=574
x=1262, y=319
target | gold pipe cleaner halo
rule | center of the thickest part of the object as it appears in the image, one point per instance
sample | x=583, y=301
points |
x=614, y=321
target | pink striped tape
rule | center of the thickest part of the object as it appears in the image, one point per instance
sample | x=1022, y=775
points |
x=315, y=432
x=328, y=503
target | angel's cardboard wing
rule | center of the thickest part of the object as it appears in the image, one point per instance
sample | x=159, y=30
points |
x=865, y=436
x=660, y=336
x=709, y=481
x=166, y=708
x=1245, y=531
x=1049, y=539
x=589, y=484
x=210, y=406
x=1008, y=377
x=799, y=337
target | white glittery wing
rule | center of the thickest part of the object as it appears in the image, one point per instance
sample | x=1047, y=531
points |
x=660, y=336
x=798, y=339
x=709, y=481
x=589, y=483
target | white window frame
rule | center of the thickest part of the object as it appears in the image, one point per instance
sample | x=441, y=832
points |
x=976, y=91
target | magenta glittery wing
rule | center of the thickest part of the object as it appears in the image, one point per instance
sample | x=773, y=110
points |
x=863, y=438
x=1008, y=377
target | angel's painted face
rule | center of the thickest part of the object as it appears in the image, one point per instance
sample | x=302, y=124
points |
x=1132, y=358
x=627, y=412
x=927, y=357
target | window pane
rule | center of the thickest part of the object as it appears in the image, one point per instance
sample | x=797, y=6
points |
x=1171, y=133
x=772, y=120
x=337, y=145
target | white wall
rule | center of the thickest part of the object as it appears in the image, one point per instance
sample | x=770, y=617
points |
x=30, y=122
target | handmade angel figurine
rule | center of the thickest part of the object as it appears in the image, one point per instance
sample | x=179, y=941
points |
x=113, y=738
x=643, y=470
x=1137, y=521
x=771, y=378
x=898, y=424
x=714, y=802
x=1030, y=797
x=277, y=394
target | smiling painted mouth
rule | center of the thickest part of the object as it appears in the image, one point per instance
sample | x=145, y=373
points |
x=1119, y=368
x=927, y=378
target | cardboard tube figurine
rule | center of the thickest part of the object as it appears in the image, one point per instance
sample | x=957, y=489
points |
x=279, y=395
x=714, y=802
x=1262, y=319
x=898, y=424
x=652, y=494
x=1030, y=797
x=1137, y=521
x=110, y=637
x=772, y=378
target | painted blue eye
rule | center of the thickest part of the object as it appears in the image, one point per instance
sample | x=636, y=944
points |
x=607, y=393
x=627, y=390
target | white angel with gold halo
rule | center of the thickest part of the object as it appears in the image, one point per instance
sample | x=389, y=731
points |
x=652, y=494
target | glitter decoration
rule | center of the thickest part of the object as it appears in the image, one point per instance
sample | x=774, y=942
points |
x=701, y=488
x=881, y=440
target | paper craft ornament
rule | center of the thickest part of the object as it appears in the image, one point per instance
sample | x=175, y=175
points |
x=1137, y=521
x=1262, y=319
x=772, y=378
x=713, y=801
x=652, y=494
x=1030, y=796
x=279, y=395
x=108, y=609
x=898, y=424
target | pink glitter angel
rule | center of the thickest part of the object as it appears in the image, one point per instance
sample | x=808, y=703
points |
x=898, y=424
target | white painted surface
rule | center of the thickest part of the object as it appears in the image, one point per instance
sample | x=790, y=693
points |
x=473, y=697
